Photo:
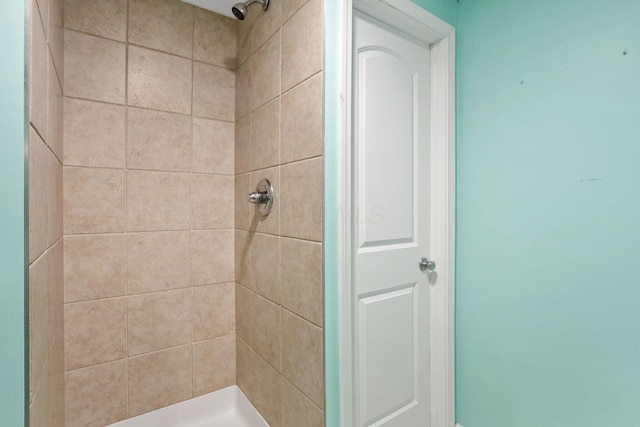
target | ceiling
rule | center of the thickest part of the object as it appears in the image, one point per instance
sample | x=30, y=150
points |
x=223, y=7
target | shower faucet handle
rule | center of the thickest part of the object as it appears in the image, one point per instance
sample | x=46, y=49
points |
x=258, y=198
x=262, y=197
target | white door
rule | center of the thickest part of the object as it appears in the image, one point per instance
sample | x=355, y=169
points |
x=390, y=232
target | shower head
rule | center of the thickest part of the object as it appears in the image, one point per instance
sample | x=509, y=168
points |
x=240, y=9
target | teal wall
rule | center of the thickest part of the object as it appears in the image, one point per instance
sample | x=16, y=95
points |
x=444, y=9
x=548, y=227
x=12, y=215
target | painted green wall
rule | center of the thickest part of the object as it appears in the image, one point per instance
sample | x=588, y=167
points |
x=12, y=220
x=548, y=227
x=444, y=9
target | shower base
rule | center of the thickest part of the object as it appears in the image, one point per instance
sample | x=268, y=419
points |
x=227, y=407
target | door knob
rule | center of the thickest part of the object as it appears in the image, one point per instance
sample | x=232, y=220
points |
x=425, y=264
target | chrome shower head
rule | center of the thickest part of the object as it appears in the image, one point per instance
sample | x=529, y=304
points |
x=240, y=9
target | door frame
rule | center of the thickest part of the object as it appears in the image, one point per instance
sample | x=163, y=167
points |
x=432, y=31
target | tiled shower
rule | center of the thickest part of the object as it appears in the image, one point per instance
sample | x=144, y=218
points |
x=140, y=233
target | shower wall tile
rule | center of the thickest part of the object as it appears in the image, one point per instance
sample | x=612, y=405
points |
x=302, y=127
x=244, y=312
x=212, y=201
x=46, y=252
x=244, y=368
x=243, y=145
x=158, y=141
x=214, y=90
x=243, y=90
x=93, y=200
x=267, y=396
x=94, y=134
x=243, y=209
x=158, y=261
x=162, y=25
x=290, y=7
x=96, y=395
x=106, y=18
x=301, y=278
x=266, y=331
x=243, y=257
x=84, y=55
x=214, y=39
x=213, y=311
x=158, y=201
x=160, y=379
x=265, y=266
x=302, y=44
x=265, y=136
x=159, y=320
x=243, y=41
x=95, y=332
x=38, y=57
x=94, y=267
x=301, y=215
x=212, y=257
x=265, y=72
x=159, y=81
x=302, y=356
x=267, y=24
x=297, y=409
x=149, y=217
x=213, y=146
x=214, y=364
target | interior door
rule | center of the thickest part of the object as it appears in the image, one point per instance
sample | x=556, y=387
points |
x=391, y=228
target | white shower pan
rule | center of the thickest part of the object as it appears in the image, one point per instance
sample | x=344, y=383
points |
x=223, y=408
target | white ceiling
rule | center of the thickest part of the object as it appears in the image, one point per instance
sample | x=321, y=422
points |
x=223, y=7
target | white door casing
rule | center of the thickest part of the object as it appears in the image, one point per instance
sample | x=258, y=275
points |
x=392, y=315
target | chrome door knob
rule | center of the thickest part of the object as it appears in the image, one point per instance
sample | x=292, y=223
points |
x=425, y=264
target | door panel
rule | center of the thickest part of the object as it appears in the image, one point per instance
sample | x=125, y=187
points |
x=390, y=186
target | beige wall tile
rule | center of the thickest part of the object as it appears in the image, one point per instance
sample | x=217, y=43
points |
x=271, y=223
x=298, y=410
x=214, y=312
x=93, y=200
x=212, y=257
x=214, y=364
x=38, y=195
x=302, y=44
x=243, y=90
x=159, y=81
x=96, y=396
x=94, y=134
x=302, y=127
x=212, y=201
x=42, y=9
x=159, y=320
x=213, y=146
x=166, y=25
x=290, y=7
x=243, y=42
x=265, y=72
x=158, y=141
x=243, y=145
x=302, y=356
x=106, y=18
x=266, y=331
x=267, y=396
x=157, y=201
x=301, y=278
x=54, y=110
x=93, y=267
x=214, y=38
x=38, y=320
x=38, y=57
x=243, y=209
x=158, y=261
x=83, y=55
x=244, y=368
x=266, y=24
x=54, y=198
x=56, y=36
x=243, y=313
x=265, y=266
x=39, y=414
x=301, y=215
x=95, y=332
x=160, y=379
x=265, y=136
x=242, y=257
x=214, y=90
